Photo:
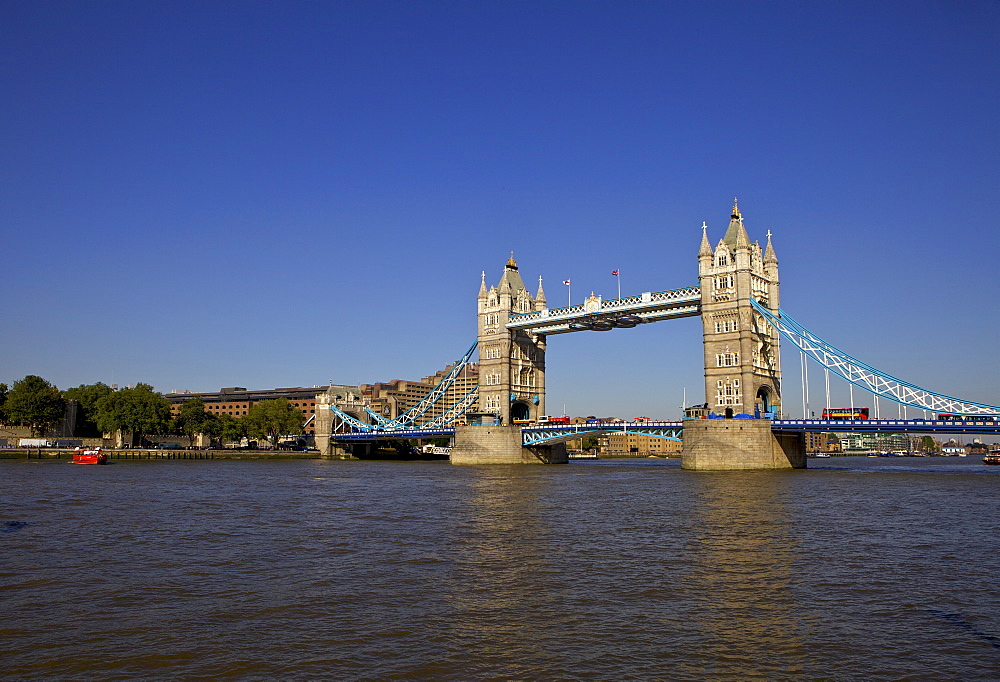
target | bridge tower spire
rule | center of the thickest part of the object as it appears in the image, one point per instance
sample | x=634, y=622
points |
x=511, y=362
x=742, y=363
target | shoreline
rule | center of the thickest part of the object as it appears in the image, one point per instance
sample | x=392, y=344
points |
x=156, y=454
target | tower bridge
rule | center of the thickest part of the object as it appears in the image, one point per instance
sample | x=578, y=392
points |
x=737, y=298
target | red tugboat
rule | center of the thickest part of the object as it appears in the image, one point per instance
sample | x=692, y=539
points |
x=89, y=456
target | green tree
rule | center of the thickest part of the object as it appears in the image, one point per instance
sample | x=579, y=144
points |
x=35, y=403
x=273, y=418
x=139, y=411
x=87, y=396
x=927, y=444
x=229, y=429
x=3, y=399
x=192, y=418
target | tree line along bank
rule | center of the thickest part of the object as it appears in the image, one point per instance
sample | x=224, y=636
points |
x=134, y=413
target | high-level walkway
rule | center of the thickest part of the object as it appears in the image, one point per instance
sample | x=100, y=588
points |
x=598, y=315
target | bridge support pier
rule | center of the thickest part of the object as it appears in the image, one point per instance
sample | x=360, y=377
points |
x=501, y=445
x=740, y=444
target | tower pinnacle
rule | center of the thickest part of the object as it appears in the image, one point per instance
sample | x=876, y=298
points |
x=706, y=247
x=769, y=255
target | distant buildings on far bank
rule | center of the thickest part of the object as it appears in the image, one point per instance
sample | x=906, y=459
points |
x=389, y=399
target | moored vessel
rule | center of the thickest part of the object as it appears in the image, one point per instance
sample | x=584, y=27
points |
x=89, y=456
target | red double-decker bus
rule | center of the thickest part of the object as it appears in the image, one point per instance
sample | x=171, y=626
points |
x=846, y=413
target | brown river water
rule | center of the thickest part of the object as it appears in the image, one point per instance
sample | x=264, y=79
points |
x=855, y=569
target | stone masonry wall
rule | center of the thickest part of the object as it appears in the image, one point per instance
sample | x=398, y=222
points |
x=500, y=445
x=730, y=444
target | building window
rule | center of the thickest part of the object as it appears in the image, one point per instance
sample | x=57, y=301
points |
x=727, y=359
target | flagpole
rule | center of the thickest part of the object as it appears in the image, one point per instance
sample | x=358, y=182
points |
x=619, y=278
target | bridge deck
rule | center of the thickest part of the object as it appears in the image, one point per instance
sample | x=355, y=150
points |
x=887, y=426
x=548, y=434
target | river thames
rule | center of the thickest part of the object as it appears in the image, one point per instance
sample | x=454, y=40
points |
x=856, y=568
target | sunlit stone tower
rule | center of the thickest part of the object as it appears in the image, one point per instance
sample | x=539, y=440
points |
x=511, y=363
x=742, y=371
x=742, y=365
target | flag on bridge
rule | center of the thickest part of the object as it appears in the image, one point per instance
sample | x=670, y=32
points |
x=614, y=272
x=565, y=281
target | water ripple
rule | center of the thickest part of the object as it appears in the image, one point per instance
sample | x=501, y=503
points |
x=621, y=570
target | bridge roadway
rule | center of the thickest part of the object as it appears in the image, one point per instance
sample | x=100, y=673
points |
x=549, y=434
x=888, y=426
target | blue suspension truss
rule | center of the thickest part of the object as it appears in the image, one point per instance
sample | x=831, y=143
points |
x=407, y=420
x=547, y=435
x=865, y=376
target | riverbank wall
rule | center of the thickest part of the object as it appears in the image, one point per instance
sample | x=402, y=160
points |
x=54, y=453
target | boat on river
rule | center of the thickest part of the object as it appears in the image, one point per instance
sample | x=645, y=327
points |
x=992, y=458
x=89, y=456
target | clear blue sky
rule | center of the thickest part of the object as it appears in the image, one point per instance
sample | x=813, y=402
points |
x=265, y=194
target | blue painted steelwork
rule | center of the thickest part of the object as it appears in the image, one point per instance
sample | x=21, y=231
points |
x=460, y=408
x=411, y=415
x=887, y=426
x=397, y=434
x=408, y=418
x=671, y=430
x=560, y=433
x=867, y=377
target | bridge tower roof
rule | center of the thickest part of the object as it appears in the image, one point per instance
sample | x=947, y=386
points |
x=511, y=278
x=736, y=235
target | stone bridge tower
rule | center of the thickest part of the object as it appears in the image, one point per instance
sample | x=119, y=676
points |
x=511, y=363
x=742, y=364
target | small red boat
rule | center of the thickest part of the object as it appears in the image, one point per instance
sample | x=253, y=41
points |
x=89, y=456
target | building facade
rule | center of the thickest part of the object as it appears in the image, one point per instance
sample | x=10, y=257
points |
x=627, y=444
x=237, y=401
